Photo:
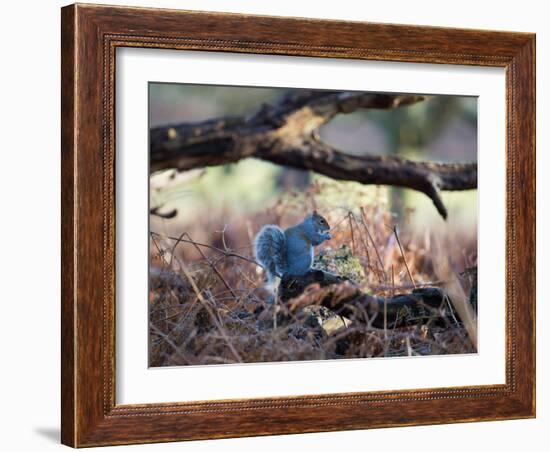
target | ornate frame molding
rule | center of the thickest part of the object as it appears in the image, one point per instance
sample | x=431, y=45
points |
x=90, y=37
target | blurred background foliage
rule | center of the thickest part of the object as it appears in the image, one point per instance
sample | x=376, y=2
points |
x=441, y=128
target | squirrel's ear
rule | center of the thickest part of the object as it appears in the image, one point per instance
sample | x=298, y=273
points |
x=315, y=212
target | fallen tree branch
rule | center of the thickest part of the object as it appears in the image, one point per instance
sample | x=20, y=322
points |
x=288, y=134
x=420, y=306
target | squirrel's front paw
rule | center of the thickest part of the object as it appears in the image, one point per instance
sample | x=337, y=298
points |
x=327, y=236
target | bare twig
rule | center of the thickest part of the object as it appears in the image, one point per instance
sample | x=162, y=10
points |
x=364, y=218
x=350, y=218
x=160, y=251
x=212, y=266
x=394, y=229
x=225, y=253
x=384, y=287
x=204, y=303
x=170, y=342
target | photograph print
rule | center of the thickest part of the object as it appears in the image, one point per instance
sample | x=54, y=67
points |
x=297, y=225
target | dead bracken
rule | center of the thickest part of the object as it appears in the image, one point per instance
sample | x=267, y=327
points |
x=207, y=303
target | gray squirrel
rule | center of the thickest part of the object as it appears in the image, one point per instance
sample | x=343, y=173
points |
x=290, y=252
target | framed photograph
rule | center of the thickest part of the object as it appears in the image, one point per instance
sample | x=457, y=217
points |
x=282, y=225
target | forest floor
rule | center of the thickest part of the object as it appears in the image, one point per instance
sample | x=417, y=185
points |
x=208, y=303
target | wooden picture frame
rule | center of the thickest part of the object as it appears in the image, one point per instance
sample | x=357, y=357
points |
x=90, y=36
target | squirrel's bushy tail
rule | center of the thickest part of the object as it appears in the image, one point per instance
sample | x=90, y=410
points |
x=269, y=248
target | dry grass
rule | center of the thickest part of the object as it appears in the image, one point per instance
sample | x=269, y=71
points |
x=207, y=303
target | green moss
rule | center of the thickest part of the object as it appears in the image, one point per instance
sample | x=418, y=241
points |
x=340, y=262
